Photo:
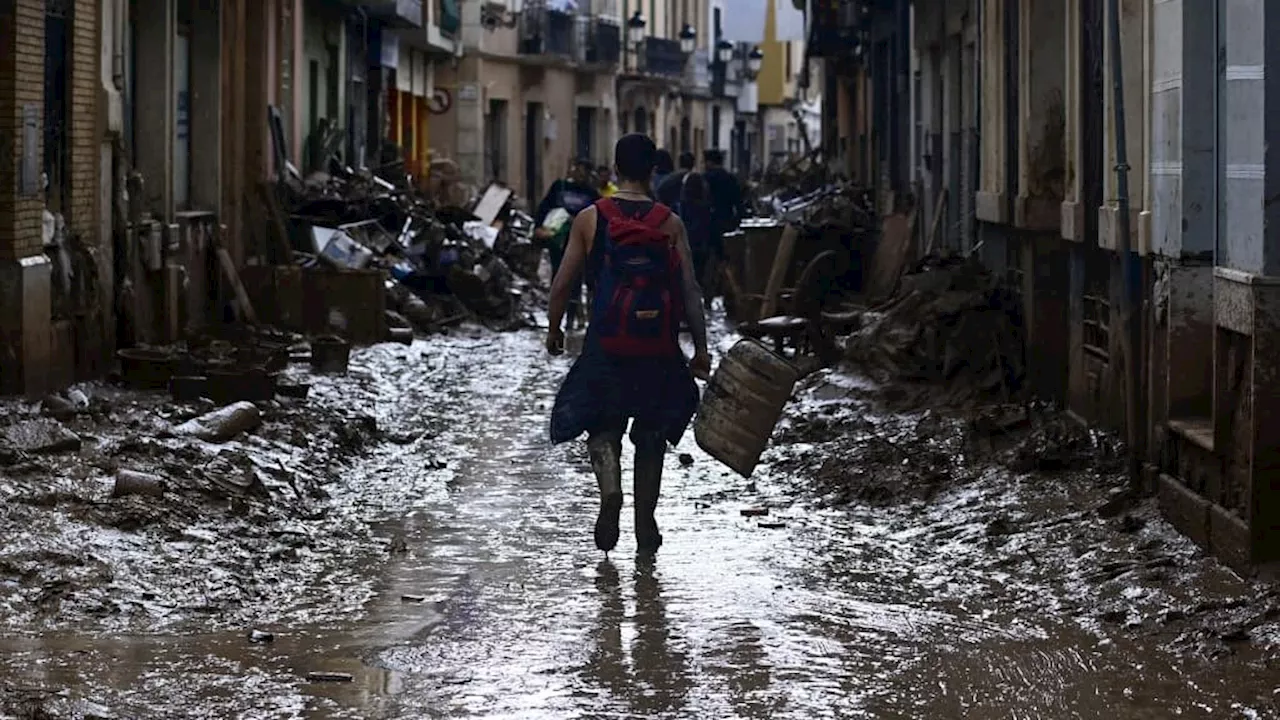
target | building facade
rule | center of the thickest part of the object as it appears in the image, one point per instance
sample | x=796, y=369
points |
x=1215, y=247
x=55, y=308
x=532, y=90
x=1013, y=138
x=786, y=83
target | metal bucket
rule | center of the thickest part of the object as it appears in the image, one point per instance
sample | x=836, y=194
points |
x=145, y=369
x=742, y=404
x=330, y=355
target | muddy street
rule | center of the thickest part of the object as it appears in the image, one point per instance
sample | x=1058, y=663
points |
x=468, y=585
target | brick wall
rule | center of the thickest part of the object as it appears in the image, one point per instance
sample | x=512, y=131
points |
x=85, y=130
x=21, y=83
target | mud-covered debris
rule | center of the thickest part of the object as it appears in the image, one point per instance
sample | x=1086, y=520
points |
x=772, y=525
x=686, y=459
x=222, y=424
x=261, y=636
x=413, y=598
x=130, y=482
x=1061, y=445
x=330, y=677
x=754, y=512
x=952, y=324
x=42, y=435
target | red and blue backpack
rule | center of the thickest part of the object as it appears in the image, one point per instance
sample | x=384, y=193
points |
x=638, y=296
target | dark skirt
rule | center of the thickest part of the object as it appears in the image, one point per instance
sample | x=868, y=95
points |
x=659, y=394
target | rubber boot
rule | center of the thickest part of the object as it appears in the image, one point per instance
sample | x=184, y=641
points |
x=650, y=450
x=606, y=462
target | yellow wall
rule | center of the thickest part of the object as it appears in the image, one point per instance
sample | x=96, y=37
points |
x=772, y=80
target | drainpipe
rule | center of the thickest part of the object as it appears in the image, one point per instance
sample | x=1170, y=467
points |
x=1130, y=300
x=975, y=175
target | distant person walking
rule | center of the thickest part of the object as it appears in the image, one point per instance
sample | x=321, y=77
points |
x=668, y=192
x=727, y=212
x=663, y=166
x=554, y=218
x=632, y=369
x=693, y=205
x=605, y=179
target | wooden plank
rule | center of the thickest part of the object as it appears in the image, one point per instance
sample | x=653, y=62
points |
x=890, y=258
x=278, y=228
x=778, y=273
x=935, y=228
x=242, y=297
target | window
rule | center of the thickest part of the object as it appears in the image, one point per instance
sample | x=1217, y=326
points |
x=786, y=53
x=495, y=145
x=715, y=123
x=586, y=131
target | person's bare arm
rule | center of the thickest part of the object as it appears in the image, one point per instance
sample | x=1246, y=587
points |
x=692, y=291
x=575, y=258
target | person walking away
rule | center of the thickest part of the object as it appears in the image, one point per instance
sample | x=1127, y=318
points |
x=668, y=193
x=552, y=222
x=694, y=209
x=726, y=211
x=605, y=181
x=632, y=368
x=663, y=166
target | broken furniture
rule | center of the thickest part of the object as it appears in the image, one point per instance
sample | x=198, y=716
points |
x=803, y=326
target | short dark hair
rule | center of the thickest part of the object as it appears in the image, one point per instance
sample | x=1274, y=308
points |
x=687, y=161
x=663, y=162
x=713, y=156
x=635, y=156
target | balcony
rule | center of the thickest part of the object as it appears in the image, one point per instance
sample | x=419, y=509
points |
x=548, y=32
x=697, y=74
x=600, y=42
x=404, y=14
x=662, y=57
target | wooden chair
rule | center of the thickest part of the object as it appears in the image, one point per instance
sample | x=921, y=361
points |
x=801, y=325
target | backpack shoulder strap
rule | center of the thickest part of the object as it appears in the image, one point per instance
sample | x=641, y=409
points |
x=608, y=209
x=656, y=216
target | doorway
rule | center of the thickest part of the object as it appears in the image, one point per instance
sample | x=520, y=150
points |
x=182, y=110
x=495, y=142
x=586, y=127
x=532, y=145
x=57, y=74
x=641, y=121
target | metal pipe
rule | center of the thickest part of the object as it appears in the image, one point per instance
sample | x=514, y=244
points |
x=1130, y=299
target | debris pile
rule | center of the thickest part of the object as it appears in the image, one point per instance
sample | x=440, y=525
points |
x=950, y=324
x=417, y=252
x=465, y=261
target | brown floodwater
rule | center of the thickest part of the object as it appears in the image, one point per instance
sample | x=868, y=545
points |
x=497, y=605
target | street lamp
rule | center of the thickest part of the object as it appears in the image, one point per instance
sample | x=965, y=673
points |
x=688, y=39
x=635, y=28
x=754, y=60
x=724, y=52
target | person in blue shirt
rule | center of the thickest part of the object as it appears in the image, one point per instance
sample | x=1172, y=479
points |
x=573, y=193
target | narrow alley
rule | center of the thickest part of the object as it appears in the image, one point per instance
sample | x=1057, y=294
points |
x=482, y=596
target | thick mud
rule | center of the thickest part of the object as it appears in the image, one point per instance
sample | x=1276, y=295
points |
x=907, y=565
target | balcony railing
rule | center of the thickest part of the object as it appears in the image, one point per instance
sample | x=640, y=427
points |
x=697, y=75
x=548, y=32
x=662, y=57
x=600, y=41
x=396, y=13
